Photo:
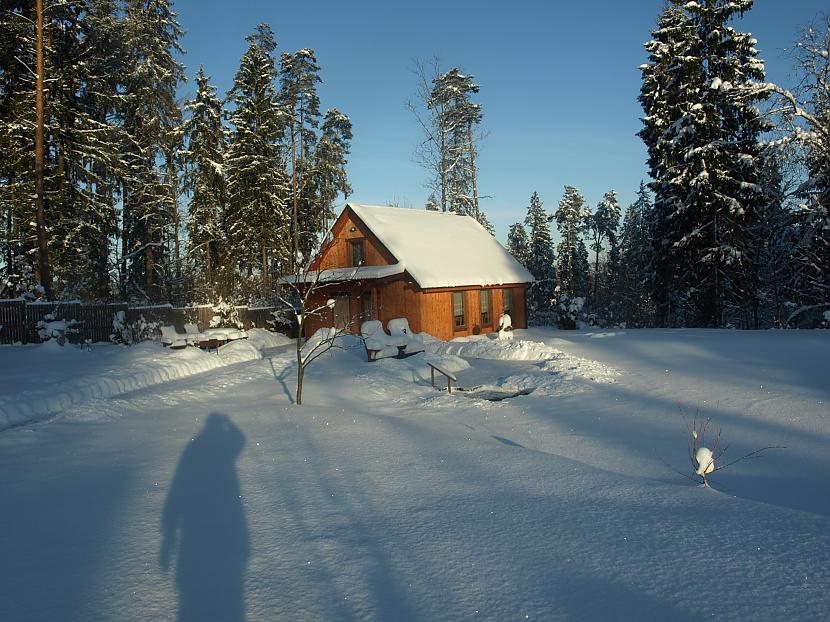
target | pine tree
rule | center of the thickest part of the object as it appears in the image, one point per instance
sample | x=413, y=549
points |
x=327, y=176
x=540, y=263
x=151, y=118
x=570, y=219
x=602, y=226
x=518, y=244
x=452, y=135
x=204, y=179
x=701, y=129
x=298, y=95
x=81, y=159
x=17, y=106
x=807, y=121
x=632, y=301
x=257, y=219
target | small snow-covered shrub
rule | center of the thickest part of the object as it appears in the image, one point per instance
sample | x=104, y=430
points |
x=142, y=330
x=20, y=281
x=226, y=315
x=52, y=328
x=570, y=311
x=122, y=331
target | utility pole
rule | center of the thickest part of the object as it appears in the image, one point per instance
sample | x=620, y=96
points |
x=42, y=244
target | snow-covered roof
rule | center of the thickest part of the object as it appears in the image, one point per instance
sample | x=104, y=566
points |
x=344, y=274
x=440, y=249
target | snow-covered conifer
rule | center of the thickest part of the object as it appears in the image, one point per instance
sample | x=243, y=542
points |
x=518, y=244
x=540, y=263
x=204, y=179
x=257, y=219
x=699, y=95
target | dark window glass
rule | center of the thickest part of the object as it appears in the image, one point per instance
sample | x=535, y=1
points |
x=458, y=309
x=507, y=301
x=485, y=300
x=356, y=254
x=367, y=305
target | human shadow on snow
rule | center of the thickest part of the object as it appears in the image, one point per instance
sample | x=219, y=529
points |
x=204, y=528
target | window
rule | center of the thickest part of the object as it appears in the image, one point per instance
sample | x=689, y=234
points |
x=458, y=309
x=507, y=301
x=485, y=304
x=366, y=299
x=356, y=253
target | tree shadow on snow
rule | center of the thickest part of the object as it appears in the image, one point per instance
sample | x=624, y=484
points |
x=204, y=528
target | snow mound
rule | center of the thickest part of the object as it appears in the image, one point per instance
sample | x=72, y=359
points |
x=262, y=339
x=69, y=376
x=555, y=372
x=483, y=347
x=239, y=352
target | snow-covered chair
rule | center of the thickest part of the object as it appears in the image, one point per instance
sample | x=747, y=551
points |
x=505, y=327
x=169, y=337
x=192, y=334
x=401, y=333
x=378, y=343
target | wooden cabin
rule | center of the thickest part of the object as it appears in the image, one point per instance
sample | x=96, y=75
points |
x=441, y=271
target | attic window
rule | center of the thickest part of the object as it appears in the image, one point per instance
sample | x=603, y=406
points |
x=357, y=254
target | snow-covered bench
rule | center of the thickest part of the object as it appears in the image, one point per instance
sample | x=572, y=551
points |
x=400, y=331
x=169, y=337
x=378, y=343
x=193, y=335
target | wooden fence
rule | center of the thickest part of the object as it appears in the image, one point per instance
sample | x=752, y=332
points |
x=19, y=319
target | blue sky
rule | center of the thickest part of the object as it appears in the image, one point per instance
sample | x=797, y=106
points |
x=559, y=83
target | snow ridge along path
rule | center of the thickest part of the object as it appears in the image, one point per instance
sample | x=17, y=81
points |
x=67, y=376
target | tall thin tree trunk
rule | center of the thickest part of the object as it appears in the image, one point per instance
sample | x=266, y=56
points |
x=473, y=167
x=171, y=172
x=42, y=243
x=442, y=168
x=122, y=266
x=265, y=281
x=148, y=268
x=294, y=194
x=10, y=224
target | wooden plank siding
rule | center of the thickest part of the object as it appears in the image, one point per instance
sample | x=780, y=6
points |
x=398, y=296
x=428, y=311
x=336, y=253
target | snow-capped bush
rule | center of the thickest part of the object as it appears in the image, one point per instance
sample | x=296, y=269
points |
x=570, y=311
x=122, y=331
x=60, y=330
x=226, y=315
x=143, y=330
x=21, y=282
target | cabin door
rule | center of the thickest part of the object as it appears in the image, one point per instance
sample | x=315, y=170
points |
x=342, y=313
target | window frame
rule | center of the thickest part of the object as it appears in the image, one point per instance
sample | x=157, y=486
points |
x=463, y=316
x=366, y=305
x=485, y=294
x=353, y=244
x=507, y=295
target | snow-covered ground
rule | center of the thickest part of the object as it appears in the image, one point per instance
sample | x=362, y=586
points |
x=136, y=483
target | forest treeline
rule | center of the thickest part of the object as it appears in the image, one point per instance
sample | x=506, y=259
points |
x=130, y=194
x=113, y=189
x=733, y=229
